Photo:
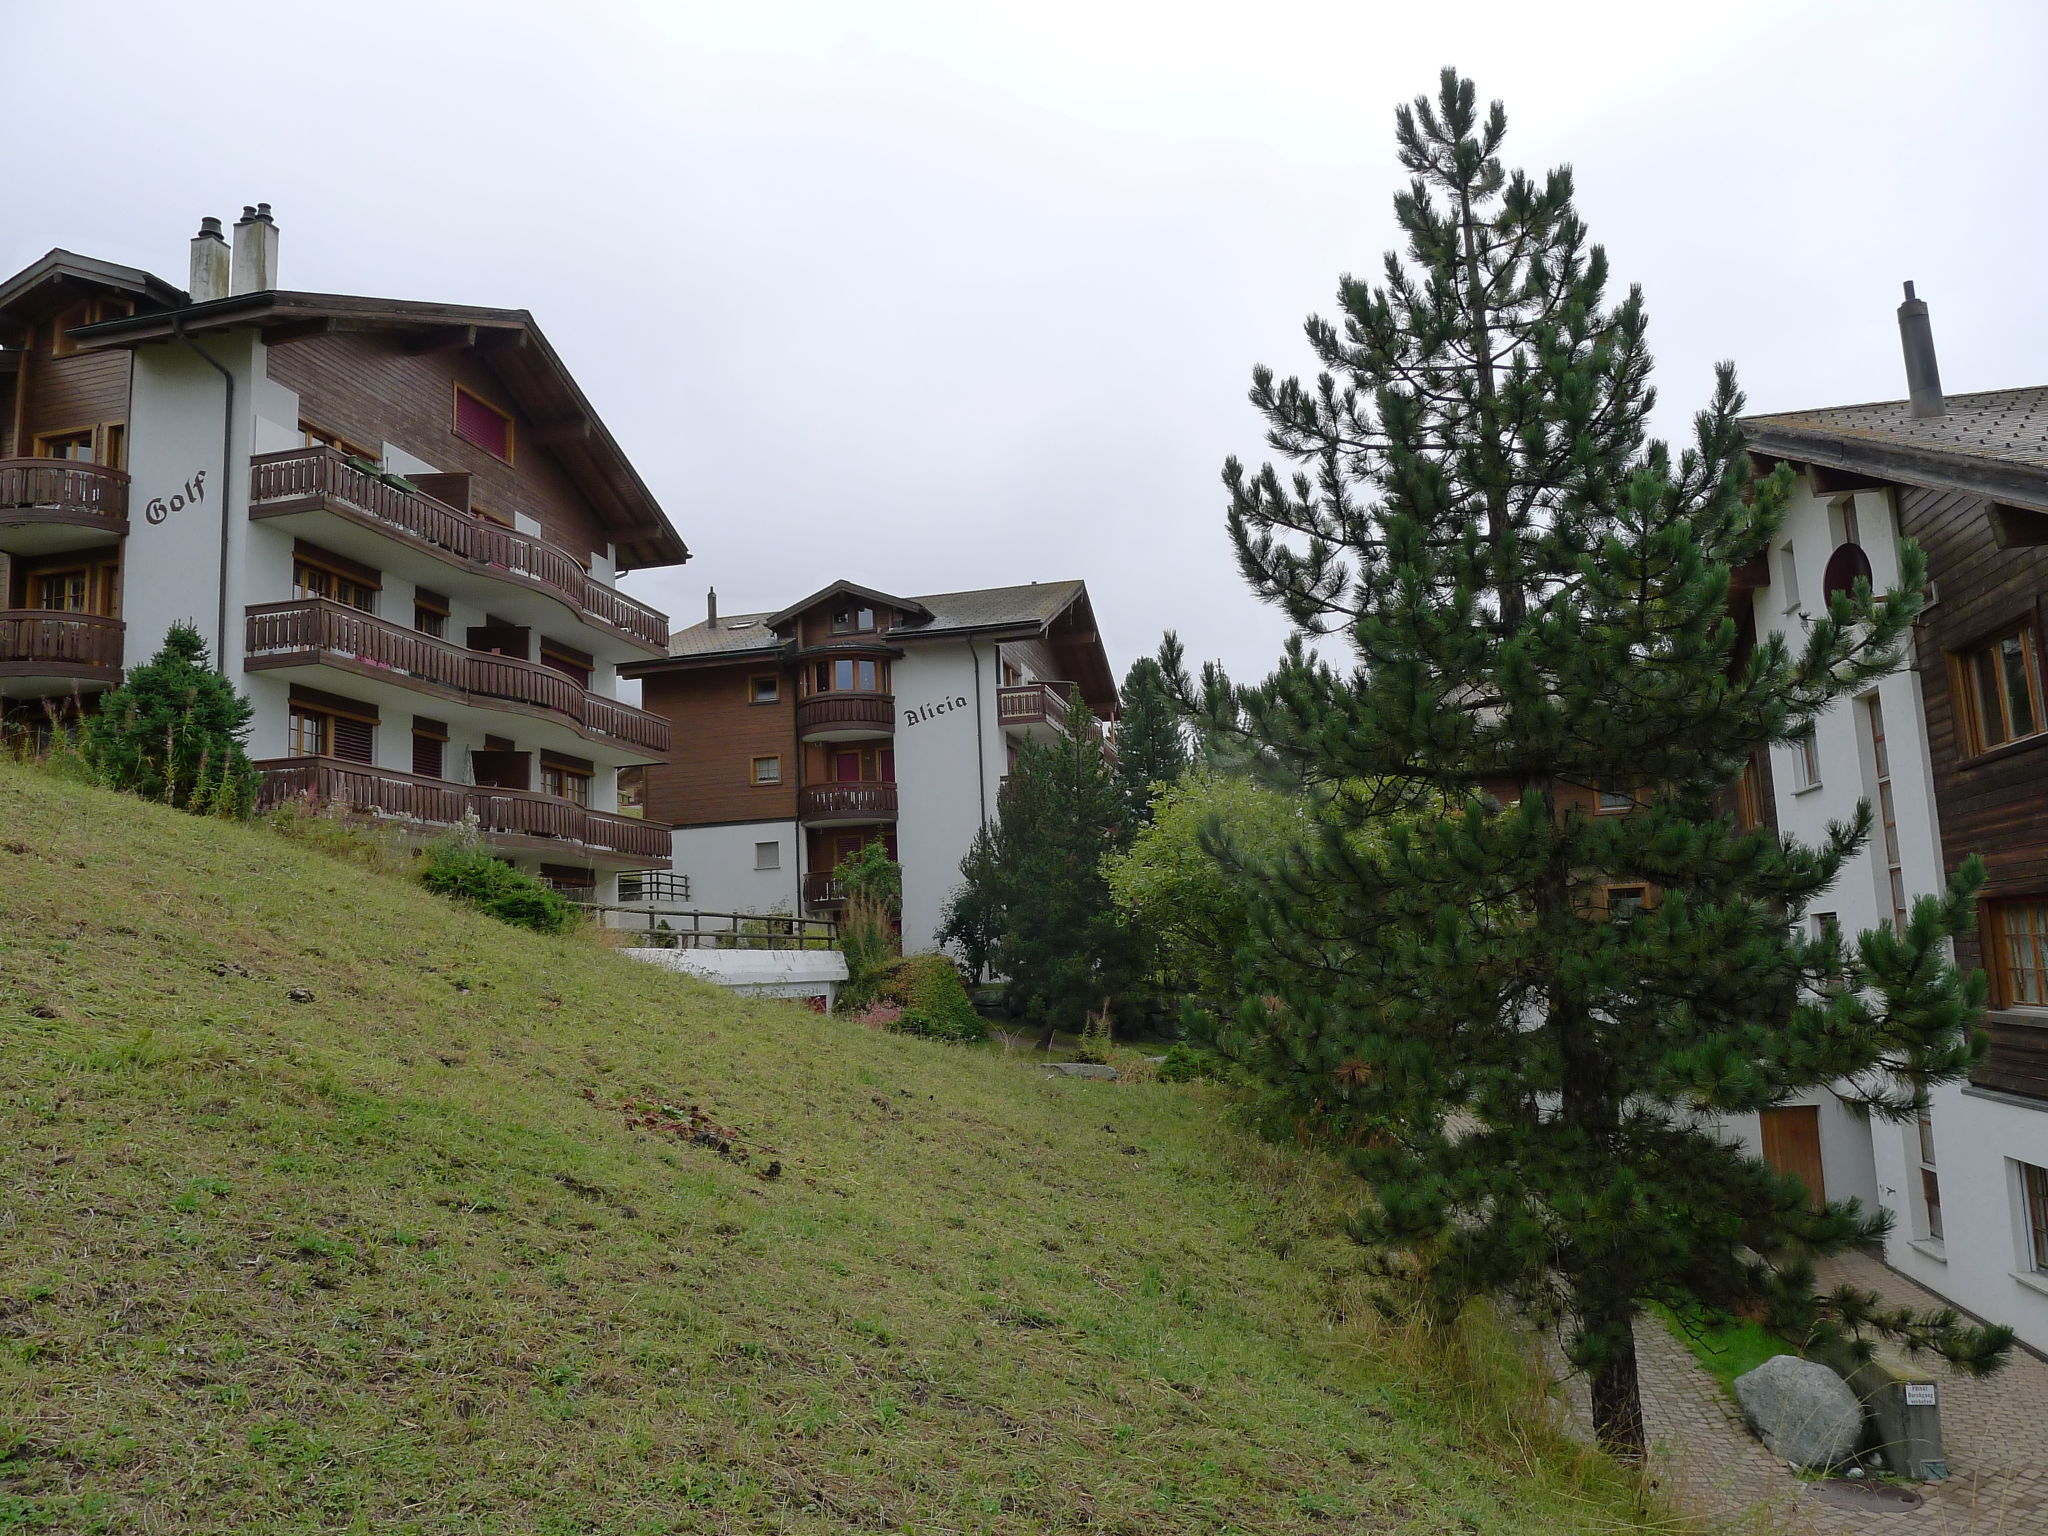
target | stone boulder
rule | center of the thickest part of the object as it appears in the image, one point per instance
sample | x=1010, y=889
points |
x=1803, y=1411
x=1081, y=1069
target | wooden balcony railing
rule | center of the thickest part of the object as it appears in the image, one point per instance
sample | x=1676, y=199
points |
x=858, y=800
x=63, y=491
x=504, y=816
x=860, y=712
x=822, y=888
x=1033, y=704
x=316, y=631
x=35, y=642
x=300, y=479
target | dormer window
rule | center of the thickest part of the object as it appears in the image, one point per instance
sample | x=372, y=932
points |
x=853, y=621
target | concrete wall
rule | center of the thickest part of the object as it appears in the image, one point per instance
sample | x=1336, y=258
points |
x=720, y=864
x=762, y=972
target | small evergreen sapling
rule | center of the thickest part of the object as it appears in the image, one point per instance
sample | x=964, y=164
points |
x=1151, y=737
x=1536, y=601
x=174, y=732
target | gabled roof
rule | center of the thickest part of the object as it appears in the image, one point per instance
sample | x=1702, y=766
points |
x=1038, y=602
x=512, y=346
x=1993, y=443
x=68, y=270
x=741, y=634
x=909, y=605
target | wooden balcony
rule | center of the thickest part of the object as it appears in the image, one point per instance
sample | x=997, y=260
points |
x=51, y=506
x=823, y=888
x=508, y=818
x=320, y=479
x=316, y=632
x=845, y=716
x=44, y=653
x=852, y=801
x=1035, y=708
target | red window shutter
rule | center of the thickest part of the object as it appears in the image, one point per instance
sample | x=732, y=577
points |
x=477, y=423
x=352, y=739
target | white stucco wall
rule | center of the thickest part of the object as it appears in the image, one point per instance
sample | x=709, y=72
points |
x=1978, y=1136
x=949, y=757
x=720, y=864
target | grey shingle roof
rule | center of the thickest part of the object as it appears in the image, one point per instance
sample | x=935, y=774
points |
x=952, y=612
x=2007, y=425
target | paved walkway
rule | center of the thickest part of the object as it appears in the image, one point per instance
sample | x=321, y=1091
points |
x=1994, y=1430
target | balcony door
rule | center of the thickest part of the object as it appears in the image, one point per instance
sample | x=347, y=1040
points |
x=1791, y=1138
x=857, y=765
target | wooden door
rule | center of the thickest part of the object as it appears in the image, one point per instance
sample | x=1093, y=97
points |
x=1792, y=1145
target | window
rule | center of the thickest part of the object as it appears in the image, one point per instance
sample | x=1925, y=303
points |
x=61, y=591
x=1892, y=877
x=567, y=781
x=1788, y=577
x=1749, y=797
x=767, y=770
x=2018, y=935
x=477, y=421
x=320, y=732
x=1612, y=802
x=320, y=437
x=429, y=613
x=114, y=448
x=767, y=855
x=350, y=589
x=1999, y=687
x=66, y=445
x=429, y=748
x=1930, y=1186
x=2034, y=1199
x=1627, y=901
x=575, y=665
x=848, y=621
x=763, y=690
x=1806, y=760
x=849, y=675
x=89, y=588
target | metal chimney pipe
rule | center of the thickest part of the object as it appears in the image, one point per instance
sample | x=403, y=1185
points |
x=1923, y=374
x=711, y=609
x=209, y=274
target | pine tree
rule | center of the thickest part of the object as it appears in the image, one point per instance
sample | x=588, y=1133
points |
x=1536, y=599
x=174, y=731
x=1151, y=739
x=1034, y=904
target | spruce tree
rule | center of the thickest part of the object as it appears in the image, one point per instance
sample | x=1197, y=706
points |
x=174, y=731
x=1535, y=597
x=1034, y=904
x=1151, y=739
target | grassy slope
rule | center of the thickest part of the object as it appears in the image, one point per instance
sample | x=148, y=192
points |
x=373, y=1261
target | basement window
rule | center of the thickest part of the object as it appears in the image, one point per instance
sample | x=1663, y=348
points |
x=478, y=421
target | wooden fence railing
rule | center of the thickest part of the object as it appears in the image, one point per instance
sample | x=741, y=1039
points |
x=35, y=642
x=827, y=711
x=860, y=800
x=281, y=483
x=315, y=629
x=66, y=487
x=1033, y=704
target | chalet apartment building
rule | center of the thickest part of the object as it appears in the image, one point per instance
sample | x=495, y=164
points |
x=851, y=716
x=397, y=524
x=1952, y=755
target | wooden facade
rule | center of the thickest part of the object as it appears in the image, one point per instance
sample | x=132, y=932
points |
x=716, y=732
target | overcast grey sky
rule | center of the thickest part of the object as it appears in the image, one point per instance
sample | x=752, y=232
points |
x=946, y=295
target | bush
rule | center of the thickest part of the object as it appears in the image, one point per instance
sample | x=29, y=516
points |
x=934, y=1001
x=1185, y=1063
x=456, y=867
x=173, y=731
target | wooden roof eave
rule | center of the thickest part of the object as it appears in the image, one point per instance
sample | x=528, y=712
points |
x=2017, y=484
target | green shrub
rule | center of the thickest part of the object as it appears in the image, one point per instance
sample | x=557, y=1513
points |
x=1185, y=1063
x=934, y=1000
x=173, y=731
x=456, y=867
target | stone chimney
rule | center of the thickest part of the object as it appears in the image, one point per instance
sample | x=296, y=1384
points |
x=711, y=609
x=1923, y=375
x=255, y=250
x=209, y=279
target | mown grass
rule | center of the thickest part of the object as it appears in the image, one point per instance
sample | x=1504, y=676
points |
x=1728, y=1349
x=315, y=1216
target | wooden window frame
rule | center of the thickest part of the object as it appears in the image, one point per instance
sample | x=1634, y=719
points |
x=855, y=626
x=1930, y=1177
x=510, y=455
x=327, y=709
x=565, y=783
x=314, y=435
x=1806, y=761
x=1609, y=891
x=1962, y=666
x=771, y=782
x=1600, y=806
x=580, y=667
x=1998, y=950
x=430, y=605
x=2034, y=1214
x=774, y=682
x=90, y=432
x=341, y=569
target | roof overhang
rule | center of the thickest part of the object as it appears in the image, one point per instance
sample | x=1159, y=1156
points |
x=60, y=276
x=907, y=605
x=1846, y=463
x=511, y=345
